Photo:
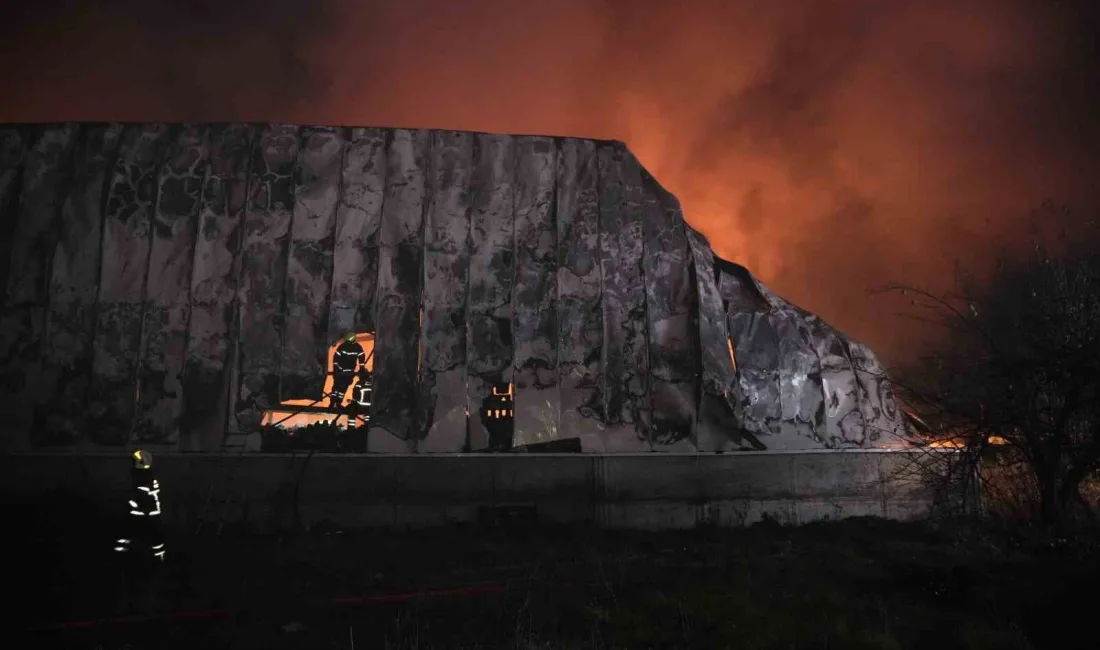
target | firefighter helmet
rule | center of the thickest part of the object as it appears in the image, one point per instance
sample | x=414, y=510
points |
x=143, y=459
x=350, y=337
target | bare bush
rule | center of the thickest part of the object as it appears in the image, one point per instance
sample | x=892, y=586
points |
x=1014, y=385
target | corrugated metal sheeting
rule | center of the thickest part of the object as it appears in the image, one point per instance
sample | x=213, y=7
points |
x=168, y=283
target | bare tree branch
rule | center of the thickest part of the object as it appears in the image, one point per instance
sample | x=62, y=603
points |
x=1020, y=365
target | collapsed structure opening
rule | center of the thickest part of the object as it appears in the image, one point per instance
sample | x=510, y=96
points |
x=346, y=400
x=332, y=405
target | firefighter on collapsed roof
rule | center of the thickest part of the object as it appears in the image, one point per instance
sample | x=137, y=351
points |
x=349, y=360
x=144, y=535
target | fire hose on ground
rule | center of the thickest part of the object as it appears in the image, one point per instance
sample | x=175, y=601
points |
x=223, y=614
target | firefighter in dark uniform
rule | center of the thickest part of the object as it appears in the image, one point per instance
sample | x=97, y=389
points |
x=498, y=416
x=348, y=359
x=365, y=392
x=144, y=536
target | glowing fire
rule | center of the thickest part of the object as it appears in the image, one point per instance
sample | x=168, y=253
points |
x=944, y=439
x=959, y=443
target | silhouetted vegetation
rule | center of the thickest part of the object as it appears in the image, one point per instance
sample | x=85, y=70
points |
x=323, y=437
x=1015, y=381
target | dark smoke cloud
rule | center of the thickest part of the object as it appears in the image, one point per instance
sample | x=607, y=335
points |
x=785, y=110
x=836, y=146
x=183, y=60
x=830, y=145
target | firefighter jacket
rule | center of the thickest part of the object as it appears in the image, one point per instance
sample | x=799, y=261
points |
x=364, y=392
x=144, y=534
x=348, y=357
x=145, y=493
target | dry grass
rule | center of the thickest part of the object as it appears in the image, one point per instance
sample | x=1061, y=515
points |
x=855, y=584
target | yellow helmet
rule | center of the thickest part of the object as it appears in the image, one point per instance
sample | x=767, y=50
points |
x=143, y=459
x=349, y=337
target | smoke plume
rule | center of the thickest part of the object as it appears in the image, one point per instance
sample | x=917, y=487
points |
x=829, y=145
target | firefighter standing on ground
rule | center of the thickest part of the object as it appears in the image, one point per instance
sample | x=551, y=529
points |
x=144, y=536
x=349, y=359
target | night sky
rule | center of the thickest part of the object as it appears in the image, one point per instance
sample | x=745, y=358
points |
x=830, y=146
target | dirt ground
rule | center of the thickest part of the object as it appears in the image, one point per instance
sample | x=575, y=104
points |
x=859, y=583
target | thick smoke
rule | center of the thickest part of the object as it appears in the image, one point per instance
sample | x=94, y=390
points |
x=831, y=146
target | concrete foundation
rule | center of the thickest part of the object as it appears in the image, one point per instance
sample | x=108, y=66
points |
x=639, y=491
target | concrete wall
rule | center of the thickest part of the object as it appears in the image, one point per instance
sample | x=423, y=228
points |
x=645, y=491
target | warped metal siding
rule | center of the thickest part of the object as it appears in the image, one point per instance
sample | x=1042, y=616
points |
x=165, y=284
x=535, y=362
x=441, y=407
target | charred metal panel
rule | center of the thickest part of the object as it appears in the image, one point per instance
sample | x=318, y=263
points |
x=358, y=217
x=670, y=302
x=261, y=294
x=67, y=357
x=124, y=268
x=718, y=427
x=780, y=371
x=45, y=180
x=624, y=324
x=756, y=348
x=400, y=275
x=537, y=402
x=168, y=288
x=635, y=350
x=580, y=315
x=740, y=292
x=14, y=142
x=801, y=398
x=881, y=417
x=843, y=419
x=492, y=272
x=212, y=330
x=742, y=301
x=612, y=216
x=441, y=412
x=309, y=267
